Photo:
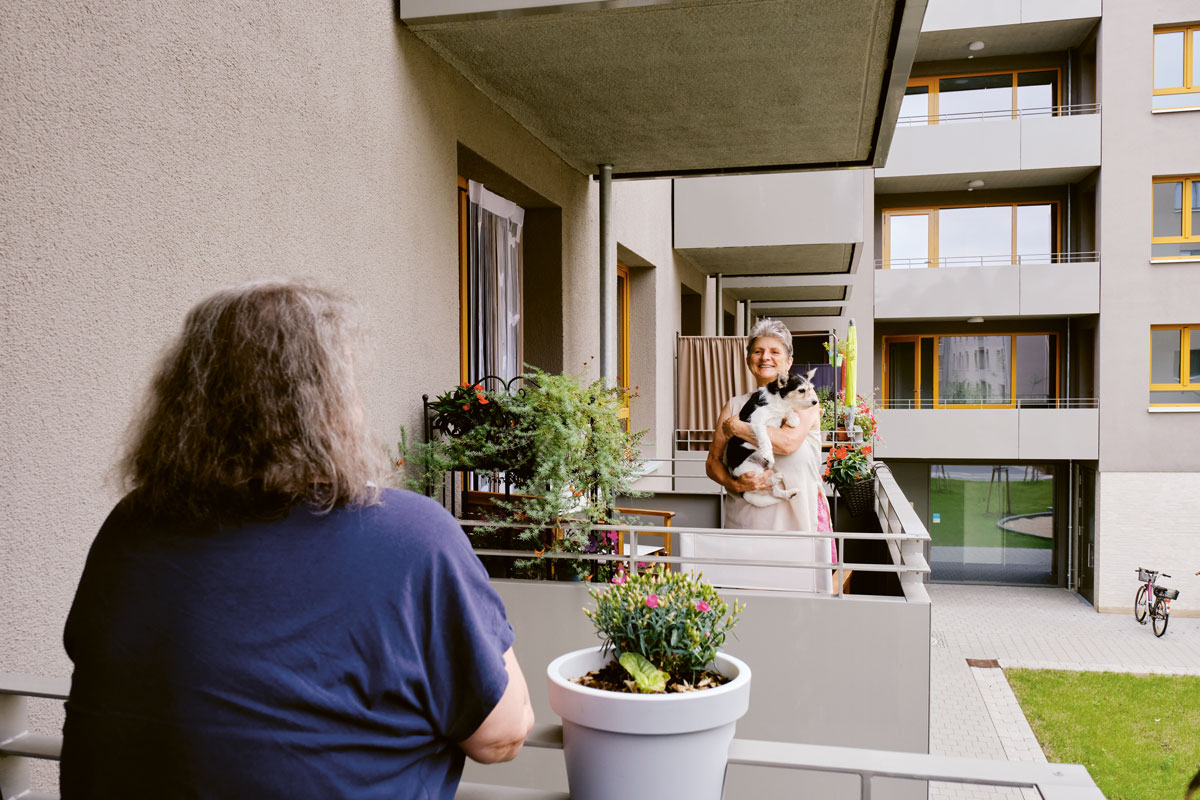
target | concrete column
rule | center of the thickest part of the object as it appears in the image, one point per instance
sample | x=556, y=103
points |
x=608, y=279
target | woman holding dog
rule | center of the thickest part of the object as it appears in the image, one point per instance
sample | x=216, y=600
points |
x=797, y=453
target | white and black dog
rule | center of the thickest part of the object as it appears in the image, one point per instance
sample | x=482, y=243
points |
x=776, y=404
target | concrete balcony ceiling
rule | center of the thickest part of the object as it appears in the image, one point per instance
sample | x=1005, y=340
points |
x=1009, y=27
x=686, y=87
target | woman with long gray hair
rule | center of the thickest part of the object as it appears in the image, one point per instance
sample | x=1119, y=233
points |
x=797, y=452
x=258, y=617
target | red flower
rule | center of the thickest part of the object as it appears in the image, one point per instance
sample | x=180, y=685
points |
x=842, y=452
x=400, y=463
x=867, y=450
x=467, y=407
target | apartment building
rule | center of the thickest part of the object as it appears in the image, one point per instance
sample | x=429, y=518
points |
x=1024, y=271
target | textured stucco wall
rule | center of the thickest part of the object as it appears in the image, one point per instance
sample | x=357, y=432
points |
x=153, y=152
x=1135, y=294
x=1147, y=519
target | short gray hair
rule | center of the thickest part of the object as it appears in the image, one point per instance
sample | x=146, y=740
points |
x=773, y=328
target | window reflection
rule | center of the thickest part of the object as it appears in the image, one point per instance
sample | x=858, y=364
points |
x=909, y=241
x=974, y=97
x=1164, y=356
x=914, y=108
x=974, y=370
x=1035, y=234
x=1036, y=89
x=1168, y=207
x=1168, y=60
x=973, y=237
x=1037, y=369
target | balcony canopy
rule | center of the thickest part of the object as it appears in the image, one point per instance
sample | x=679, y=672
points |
x=687, y=87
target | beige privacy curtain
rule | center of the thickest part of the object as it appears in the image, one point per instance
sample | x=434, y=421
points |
x=712, y=369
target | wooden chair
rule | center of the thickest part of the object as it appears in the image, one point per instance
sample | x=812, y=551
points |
x=665, y=536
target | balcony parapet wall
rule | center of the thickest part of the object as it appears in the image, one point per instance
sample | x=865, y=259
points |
x=1020, y=434
x=994, y=291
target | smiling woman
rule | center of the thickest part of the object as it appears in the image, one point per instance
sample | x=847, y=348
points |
x=797, y=451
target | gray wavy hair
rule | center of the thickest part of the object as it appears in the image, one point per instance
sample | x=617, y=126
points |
x=769, y=327
x=254, y=409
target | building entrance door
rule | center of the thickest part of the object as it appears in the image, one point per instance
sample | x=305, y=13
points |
x=992, y=523
x=1084, y=498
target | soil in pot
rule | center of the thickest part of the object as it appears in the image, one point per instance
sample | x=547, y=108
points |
x=612, y=677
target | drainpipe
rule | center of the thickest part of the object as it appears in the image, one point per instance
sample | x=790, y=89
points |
x=719, y=309
x=608, y=279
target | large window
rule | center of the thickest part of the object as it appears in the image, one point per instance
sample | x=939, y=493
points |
x=969, y=98
x=992, y=522
x=490, y=284
x=970, y=236
x=1175, y=230
x=1175, y=365
x=1003, y=370
x=1177, y=68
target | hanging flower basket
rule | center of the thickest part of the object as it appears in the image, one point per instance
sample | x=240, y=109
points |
x=859, y=496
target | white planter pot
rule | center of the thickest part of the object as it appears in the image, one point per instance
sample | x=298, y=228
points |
x=651, y=746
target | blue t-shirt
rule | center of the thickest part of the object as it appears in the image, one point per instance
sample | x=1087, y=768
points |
x=335, y=655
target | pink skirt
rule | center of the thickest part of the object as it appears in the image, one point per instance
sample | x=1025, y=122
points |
x=824, y=523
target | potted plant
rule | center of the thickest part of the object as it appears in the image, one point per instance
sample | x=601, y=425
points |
x=559, y=443
x=849, y=468
x=650, y=712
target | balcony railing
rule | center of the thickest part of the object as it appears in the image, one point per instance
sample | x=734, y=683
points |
x=1052, y=781
x=927, y=404
x=977, y=116
x=1003, y=260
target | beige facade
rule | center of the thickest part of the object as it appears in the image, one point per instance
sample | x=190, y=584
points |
x=154, y=155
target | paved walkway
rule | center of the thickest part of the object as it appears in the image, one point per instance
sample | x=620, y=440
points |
x=972, y=710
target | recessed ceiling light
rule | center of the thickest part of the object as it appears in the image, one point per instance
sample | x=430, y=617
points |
x=976, y=46
x=974, y=319
x=973, y=185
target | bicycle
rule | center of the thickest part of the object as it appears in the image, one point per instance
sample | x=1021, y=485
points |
x=1159, y=609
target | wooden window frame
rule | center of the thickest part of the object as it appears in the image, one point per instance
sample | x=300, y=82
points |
x=1189, y=86
x=1188, y=236
x=931, y=82
x=464, y=332
x=934, y=227
x=936, y=367
x=1185, y=384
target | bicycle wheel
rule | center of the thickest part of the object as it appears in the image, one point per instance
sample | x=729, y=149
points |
x=1139, y=605
x=1160, y=613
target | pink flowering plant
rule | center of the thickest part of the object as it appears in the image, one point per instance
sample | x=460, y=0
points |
x=662, y=626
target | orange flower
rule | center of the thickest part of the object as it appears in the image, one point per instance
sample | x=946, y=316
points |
x=826, y=472
x=842, y=452
x=478, y=387
x=466, y=407
x=400, y=463
x=483, y=401
x=538, y=553
x=867, y=450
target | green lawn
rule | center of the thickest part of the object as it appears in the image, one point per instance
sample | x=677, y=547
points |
x=1138, y=735
x=965, y=520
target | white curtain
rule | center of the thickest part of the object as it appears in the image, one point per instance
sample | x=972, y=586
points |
x=494, y=283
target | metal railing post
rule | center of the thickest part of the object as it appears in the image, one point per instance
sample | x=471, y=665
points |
x=14, y=770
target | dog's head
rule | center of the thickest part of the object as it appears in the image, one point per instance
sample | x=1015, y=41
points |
x=797, y=390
